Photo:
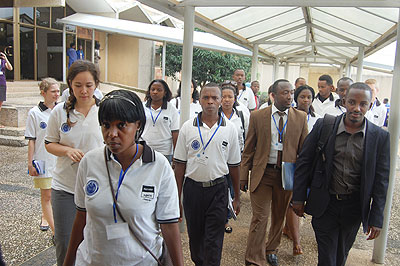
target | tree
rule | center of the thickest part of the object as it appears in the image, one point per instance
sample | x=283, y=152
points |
x=208, y=66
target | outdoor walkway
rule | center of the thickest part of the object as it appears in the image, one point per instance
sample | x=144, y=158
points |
x=23, y=243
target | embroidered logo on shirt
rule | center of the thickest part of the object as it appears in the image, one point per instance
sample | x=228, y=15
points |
x=42, y=125
x=147, y=193
x=65, y=128
x=195, y=145
x=224, y=145
x=92, y=187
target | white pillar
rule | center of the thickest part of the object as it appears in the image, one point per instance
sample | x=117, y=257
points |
x=347, y=68
x=64, y=54
x=93, y=41
x=254, y=63
x=276, y=70
x=360, y=63
x=286, y=73
x=378, y=255
x=106, y=60
x=187, y=62
x=164, y=52
x=341, y=71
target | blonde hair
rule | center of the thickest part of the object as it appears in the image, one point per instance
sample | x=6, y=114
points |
x=371, y=82
x=46, y=83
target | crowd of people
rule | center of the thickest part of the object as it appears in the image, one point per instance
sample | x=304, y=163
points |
x=118, y=175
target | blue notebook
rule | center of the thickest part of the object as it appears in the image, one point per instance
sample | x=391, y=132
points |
x=288, y=175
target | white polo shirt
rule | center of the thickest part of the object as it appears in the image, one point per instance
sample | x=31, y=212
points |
x=322, y=108
x=159, y=126
x=64, y=96
x=241, y=127
x=195, y=108
x=84, y=135
x=377, y=113
x=311, y=120
x=36, y=124
x=246, y=96
x=273, y=153
x=222, y=150
x=147, y=197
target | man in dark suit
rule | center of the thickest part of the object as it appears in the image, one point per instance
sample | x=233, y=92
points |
x=349, y=182
x=275, y=135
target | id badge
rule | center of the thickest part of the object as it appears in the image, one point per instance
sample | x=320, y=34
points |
x=277, y=146
x=118, y=230
x=1, y=73
x=202, y=159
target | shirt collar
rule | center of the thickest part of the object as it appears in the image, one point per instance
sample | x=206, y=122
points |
x=342, y=128
x=43, y=107
x=163, y=106
x=223, y=123
x=331, y=98
x=148, y=155
x=274, y=110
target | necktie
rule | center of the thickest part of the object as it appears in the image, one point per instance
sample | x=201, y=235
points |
x=279, y=158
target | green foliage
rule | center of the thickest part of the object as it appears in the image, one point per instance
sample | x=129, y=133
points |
x=208, y=66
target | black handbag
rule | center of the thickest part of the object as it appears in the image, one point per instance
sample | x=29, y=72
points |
x=165, y=259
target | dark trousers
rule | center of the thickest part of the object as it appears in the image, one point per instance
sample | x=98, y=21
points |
x=205, y=212
x=336, y=230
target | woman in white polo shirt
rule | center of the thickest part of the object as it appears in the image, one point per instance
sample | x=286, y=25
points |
x=195, y=107
x=144, y=187
x=40, y=162
x=162, y=119
x=72, y=131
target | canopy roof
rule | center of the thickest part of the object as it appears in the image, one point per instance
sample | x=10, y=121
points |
x=303, y=31
x=151, y=32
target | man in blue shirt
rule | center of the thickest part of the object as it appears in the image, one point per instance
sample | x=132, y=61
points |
x=80, y=54
x=71, y=53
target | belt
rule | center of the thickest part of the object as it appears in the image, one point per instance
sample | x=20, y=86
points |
x=209, y=183
x=345, y=196
x=275, y=166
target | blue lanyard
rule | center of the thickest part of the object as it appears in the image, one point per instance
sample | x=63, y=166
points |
x=201, y=138
x=152, y=118
x=308, y=118
x=240, y=94
x=283, y=129
x=373, y=105
x=121, y=179
x=230, y=116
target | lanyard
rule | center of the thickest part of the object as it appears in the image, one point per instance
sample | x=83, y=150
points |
x=373, y=105
x=152, y=118
x=121, y=179
x=201, y=138
x=240, y=94
x=308, y=118
x=283, y=129
x=230, y=116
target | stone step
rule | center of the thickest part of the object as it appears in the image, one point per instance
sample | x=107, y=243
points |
x=26, y=94
x=12, y=131
x=14, y=116
x=13, y=141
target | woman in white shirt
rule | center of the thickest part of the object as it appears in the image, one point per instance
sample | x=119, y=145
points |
x=40, y=162
x=73, y=130
x=162, y=119
x=125, y=194
x=195, y=107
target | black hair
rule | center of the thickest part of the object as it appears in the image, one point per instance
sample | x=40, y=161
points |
x=239, y=69
x=71, y=44
x=195, y=93
x=97, y=45
x=123, y=105
x=275, y=86
x=298, y=79
x=168, y=93
x=300, y=89
x=269, y=92
x=360, y=86
x=327, y=78
x=233, y=89
x=345, y=79
x=211, y=85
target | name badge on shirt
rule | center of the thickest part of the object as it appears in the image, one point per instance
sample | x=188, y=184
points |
x=201, y=159
x=1, y=73
x=118, y=230
x=147, y=193
x=277, y=146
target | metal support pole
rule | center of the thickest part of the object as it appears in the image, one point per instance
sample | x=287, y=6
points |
x=64, y=54
x=187, y=62
x=286, y=73
x=93, y=42
x=360, y=63
x=276, y=70
x=347, y=68
x=254, y=63
x=378, y=255
x=164, y=52
x=341, y=71
x=106, y=60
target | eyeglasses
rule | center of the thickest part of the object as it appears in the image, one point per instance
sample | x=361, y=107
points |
x=229, y=83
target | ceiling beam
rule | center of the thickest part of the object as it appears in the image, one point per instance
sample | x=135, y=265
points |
x=335, y=52
x=314, y=56
x=337, y=35
x=262, y=40
x=301, y=3
x=310, y=43
x=310, y=30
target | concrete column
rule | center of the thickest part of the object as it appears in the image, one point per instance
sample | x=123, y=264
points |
x=276, y=70
x=378, y=255
x=347, y=69
x=16, y=45
x=254, y=63
x=360, y=63
x=64, y=54
x=341, y=71
x=93, y=42
x=106, y=60
x=286, y=73
x=164, y=52
x=187, y=62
